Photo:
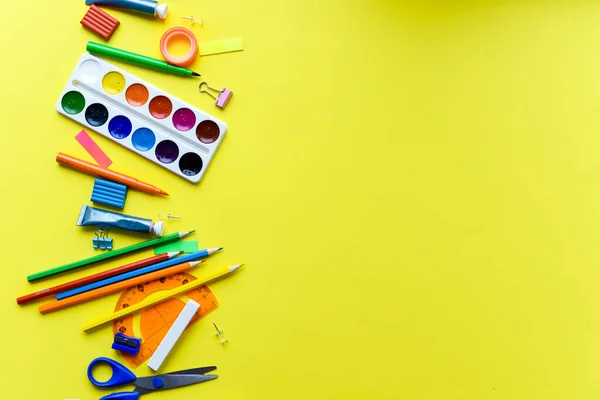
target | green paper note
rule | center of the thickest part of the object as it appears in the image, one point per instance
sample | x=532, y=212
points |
x=188, y=246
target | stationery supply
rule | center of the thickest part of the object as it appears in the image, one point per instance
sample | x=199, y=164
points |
x=169, y=217
x=155, y=321
x=158, y=298
x=105, y=256
x=127, y=344
x=174, y=135
x=222, y=99
x=121, y=376
x=149, y=7
x=101, y=241
x=109, y=193
x=132, y=274
x=177, y=34
x=186, y=246
x=96, y=277
x=100, y=22
x=137, y=59
x=220, y=334
x=164, y=130
x=220, y=46
x=115, y=287
x=194, y=20
x=167, y=344
x=92, y=169
x=90, y=216
x=93, y=149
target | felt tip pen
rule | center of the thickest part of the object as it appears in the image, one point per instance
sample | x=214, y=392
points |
x=92, y=169
x=133, y=58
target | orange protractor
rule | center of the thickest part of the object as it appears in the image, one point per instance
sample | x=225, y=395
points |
x=155, y=321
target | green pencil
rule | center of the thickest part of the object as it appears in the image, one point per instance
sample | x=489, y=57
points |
x=110, y=254
x=133, y=58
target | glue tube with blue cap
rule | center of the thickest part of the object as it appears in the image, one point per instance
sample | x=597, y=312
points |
x=142, y=6
x=90, y=216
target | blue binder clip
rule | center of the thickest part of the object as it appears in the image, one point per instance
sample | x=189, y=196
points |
x=127, y=344
x=102, y=241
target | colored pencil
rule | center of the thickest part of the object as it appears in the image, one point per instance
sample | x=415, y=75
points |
x=138, y=272
x=108, y=255
x=96, y=277
x=108, y=174
x=158, y=297
x=115, y=287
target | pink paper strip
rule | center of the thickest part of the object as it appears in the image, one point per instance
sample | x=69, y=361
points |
x=95, y=151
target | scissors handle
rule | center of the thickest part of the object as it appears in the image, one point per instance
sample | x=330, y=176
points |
x=120, y=376
x=122, y=396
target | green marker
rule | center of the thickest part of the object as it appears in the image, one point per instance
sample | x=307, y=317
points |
x=110, y=254
x=133, y=58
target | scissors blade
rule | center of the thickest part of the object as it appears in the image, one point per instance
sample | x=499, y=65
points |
x=169, y=381
x=193, y=371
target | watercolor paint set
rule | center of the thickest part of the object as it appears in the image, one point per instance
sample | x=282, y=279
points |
x=141, y=117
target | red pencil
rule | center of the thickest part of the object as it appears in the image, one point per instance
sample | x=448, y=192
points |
x=97, y=277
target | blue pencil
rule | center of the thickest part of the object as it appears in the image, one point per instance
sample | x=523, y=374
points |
x=141, y=271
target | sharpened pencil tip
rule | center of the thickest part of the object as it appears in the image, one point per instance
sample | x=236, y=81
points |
x=195, y=73
x=184, y=234
x=220, y=248
x=234, y=267
x=194, y=263
x=172, y=254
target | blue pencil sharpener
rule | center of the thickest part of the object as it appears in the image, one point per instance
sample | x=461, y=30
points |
x=127, y=344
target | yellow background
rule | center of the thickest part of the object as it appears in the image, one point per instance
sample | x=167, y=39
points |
x=413, y=185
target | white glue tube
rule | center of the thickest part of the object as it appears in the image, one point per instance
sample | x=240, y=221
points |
x=165, y=347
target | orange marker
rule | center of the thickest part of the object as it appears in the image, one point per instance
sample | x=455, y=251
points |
x=95, y=170
x=115, y=287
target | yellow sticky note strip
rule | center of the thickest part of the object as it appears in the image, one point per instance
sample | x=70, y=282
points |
x=220, y=46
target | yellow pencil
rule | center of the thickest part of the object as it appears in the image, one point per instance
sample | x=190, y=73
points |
x=158, y=297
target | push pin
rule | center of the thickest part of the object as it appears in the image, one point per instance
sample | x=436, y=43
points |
x=102, y=241
x=169, y=217
x=222, y=99
x=193, y=20
x=220, y=334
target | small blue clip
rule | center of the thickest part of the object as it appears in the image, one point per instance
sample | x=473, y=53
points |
x=127, y=344
x=102, y=241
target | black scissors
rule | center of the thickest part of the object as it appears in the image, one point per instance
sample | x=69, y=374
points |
x=121, y=375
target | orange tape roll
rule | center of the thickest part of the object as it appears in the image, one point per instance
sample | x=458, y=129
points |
x=175, y=34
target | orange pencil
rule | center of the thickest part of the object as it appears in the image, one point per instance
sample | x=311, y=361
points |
x=97, y=277
x=115, y=287
x=105, y=173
